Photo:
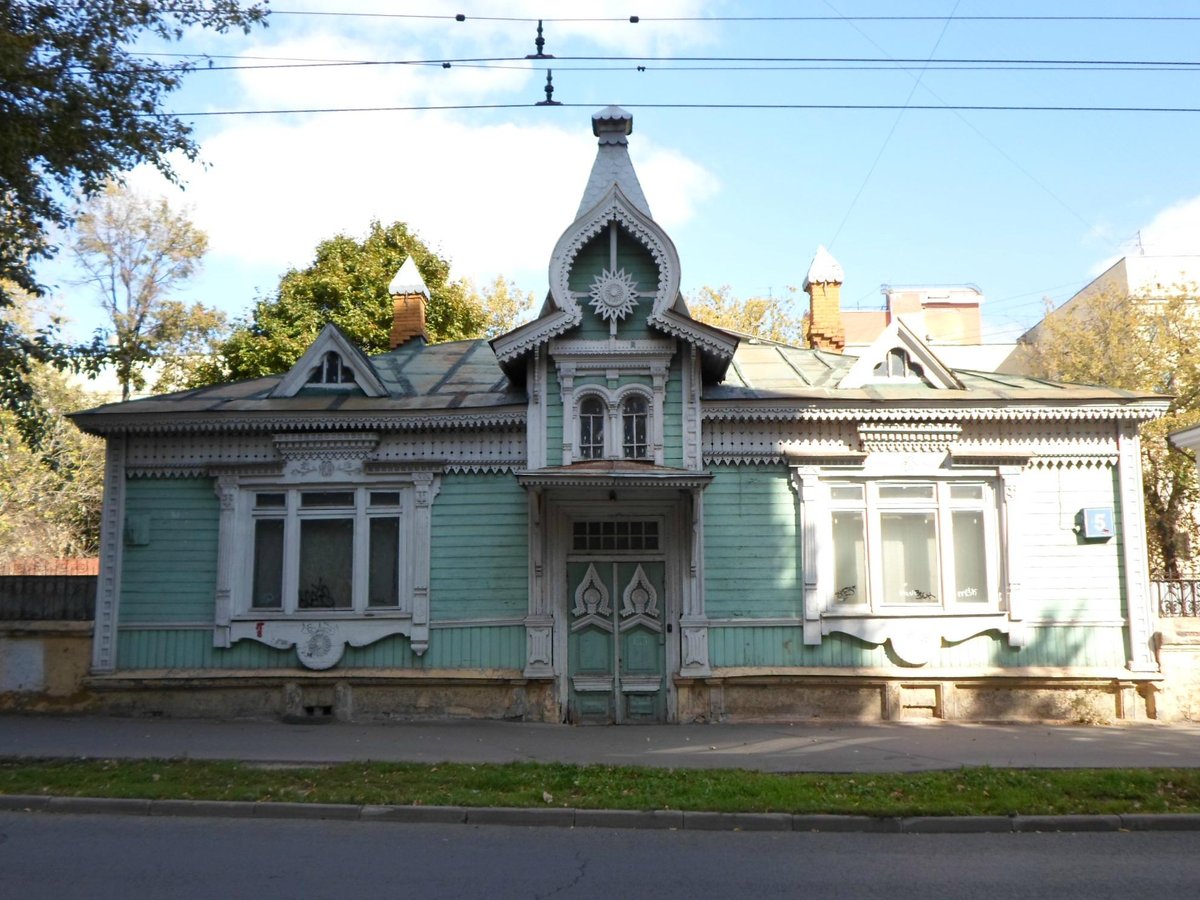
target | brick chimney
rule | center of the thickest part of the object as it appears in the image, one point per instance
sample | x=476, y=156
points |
x=409, y=295
x=823, y=283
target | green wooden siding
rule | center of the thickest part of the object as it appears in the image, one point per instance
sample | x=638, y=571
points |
x=751, y=549
x=742, y=646
x=485, y=647
x=1063, y=576
x=480, y=558
x=173, y=577
x=554, y=417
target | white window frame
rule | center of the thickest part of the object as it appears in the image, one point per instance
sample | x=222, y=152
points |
x=292, y=513
x=943, y=506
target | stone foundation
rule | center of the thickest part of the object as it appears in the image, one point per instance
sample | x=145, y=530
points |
x=361, y=695
x=1178, y=643
x=1060, y=697
x=43, y=665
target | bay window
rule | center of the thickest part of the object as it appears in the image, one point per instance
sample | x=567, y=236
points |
x=912, y=545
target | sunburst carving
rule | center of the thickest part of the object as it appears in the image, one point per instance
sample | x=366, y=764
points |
x=614, y=294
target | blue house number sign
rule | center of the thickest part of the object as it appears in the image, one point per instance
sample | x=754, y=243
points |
x=1097, y=523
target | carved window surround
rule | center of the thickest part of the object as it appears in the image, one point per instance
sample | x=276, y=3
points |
x=610, y=360
x=324, y=463
x=915, y=633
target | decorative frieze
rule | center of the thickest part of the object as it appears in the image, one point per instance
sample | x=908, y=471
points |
x=908, y=437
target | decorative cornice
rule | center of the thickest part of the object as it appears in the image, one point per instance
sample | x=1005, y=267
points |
x=277, y=421
x=908, y=437
x=742, y=412
x=335, y=445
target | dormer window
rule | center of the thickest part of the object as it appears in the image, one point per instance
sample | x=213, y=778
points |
x=591, y=428
x=898, y=365
x=331, y=371
x=633, y=427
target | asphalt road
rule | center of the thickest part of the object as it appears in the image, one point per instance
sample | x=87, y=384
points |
x=68, y=856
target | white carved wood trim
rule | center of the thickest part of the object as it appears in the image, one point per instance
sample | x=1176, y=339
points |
x=112, y=540
x=692, y=431
x=427, y=485
x=1012, y=532
x=915, y=640
x=535, y=428
x=815, y=535
x=319, y=643
x=693, y=623
x=539, y=623
x=226, y=488
x=803, y=410
x=899, y=335
x=1134, y=551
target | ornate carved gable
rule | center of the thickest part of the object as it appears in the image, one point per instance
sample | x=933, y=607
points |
x=898, y=355
x=331, y=362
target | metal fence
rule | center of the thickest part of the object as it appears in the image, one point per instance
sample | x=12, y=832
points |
x=48, y=590
x=1177, y=598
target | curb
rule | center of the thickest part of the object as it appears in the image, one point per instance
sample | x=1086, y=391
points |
x=563, y=817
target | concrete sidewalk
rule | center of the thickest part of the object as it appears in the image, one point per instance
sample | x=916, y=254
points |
x=772, y=748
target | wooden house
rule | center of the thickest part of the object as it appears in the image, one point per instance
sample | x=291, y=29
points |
x=617, y=513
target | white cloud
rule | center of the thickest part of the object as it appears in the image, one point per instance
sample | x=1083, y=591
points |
x=1174, y=231
x=493, y=198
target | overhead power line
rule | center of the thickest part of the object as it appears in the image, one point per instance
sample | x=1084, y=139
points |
x=634, y=20
x=849, y=107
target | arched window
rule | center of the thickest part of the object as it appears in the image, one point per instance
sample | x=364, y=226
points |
x=331, y=371
x=633, y=427
x=591, y=428
x=898, y=364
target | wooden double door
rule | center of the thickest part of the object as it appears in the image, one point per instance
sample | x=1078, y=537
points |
x=617, y=636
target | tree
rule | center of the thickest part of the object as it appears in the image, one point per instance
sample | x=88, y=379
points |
x=346, y=284
x=79, y=106
x=504, y=305
x=766, y=317
x=51, y=474
x=1140, y=344
x=136, y=251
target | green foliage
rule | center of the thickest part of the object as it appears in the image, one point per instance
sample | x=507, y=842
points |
x=51, y=474
x=80, y=105
x=968, y=791
x=347, y=284
x=135, y=251
x=1147, y=345
x=766, y=317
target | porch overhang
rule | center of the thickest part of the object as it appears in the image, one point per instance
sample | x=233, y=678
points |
x=614, y=473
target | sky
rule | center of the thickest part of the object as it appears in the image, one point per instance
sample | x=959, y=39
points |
x=1026, y=204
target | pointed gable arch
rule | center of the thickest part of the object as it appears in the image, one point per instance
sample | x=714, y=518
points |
x=899, y=347
x=613, y=207
x=331, y=340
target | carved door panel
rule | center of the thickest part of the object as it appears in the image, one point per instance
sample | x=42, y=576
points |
x=616, y=648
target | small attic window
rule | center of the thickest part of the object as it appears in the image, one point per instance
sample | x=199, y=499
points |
x=331, y=371
x=898, y=365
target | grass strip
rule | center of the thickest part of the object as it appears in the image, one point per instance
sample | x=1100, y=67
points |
x=968, y=791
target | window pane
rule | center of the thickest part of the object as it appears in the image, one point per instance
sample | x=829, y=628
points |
x=909, y=557
x=966, y=492
x=268, y=564
x=326, y=563
x=633, y=424
x=591, y=428
x=846, y=492
x=270, y=501
x=385, y=498
x=310, y=499
x=849, y=558
x=384, y=581
x=970, y=558
x=906, y=492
